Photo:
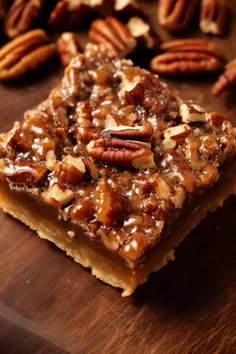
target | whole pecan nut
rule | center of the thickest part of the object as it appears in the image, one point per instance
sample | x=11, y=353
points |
x=187, y=56
x=24, y=53
x=213, y=16
x=68, y=14
x=68, y=47
x=175, y=15
x=21, y=15
x=226, y=79
x=114, y=34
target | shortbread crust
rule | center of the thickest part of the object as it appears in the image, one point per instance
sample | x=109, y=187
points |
x=76, y=184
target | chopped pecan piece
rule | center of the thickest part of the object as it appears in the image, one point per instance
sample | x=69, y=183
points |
x=24, y=53
x=21, y=15
x=143, y=33
x=175, y=15
x=114, y=34
x=213, y=16
x=187, y=56
x=110, y=205
x=56, y=195
x=22, y=173
x=226, y=79
x=68, y=47
x=191, y=112
x=71, y=170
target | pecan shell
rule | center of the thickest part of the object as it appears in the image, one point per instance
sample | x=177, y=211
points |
x=24, y=53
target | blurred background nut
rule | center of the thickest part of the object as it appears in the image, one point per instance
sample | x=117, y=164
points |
x=114, y=34
x=175, y=15
x=68, y=14
x=68, y=47
x=21, y=16
x=143, y=33
x=4, y=6
x=185, y=56
x=225, y=80
x=124, y=9
x=213, y=16
x=24, y=53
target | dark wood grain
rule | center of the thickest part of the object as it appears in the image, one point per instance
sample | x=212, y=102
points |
x=49, y=304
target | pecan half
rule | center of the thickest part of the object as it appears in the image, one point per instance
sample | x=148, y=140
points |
x=191, y=44
x=21, y=15
x=68, y=14
x=187, y=56
x=143, y=33
x=24, y=53
x=68, y=47
x=114, y=34
x=226, y=79
x=139, y=133
x=121, y=153
x=213, y=16
x=175, y=15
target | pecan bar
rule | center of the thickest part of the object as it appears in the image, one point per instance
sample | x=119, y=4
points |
x=115, y=169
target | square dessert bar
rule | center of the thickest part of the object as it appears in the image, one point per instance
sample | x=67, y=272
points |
x=115, y=169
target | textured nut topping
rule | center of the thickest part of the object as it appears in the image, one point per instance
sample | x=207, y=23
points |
x=112, y=148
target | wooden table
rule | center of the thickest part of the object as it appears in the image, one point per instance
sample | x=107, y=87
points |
x=49, y=304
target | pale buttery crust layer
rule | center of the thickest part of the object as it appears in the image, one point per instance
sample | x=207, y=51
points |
x=90, y=254
x=115, y=169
